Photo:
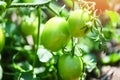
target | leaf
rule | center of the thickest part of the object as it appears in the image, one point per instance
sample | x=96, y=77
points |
x=114, y=17
x=2, y=5
x=44, y=55
x=28, y=76
x=23, y=66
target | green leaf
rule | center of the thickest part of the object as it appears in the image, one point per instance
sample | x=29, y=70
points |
x=2, y=6
x=28, y=76
x=22, y=66
x=44, y=55
x=114, y=17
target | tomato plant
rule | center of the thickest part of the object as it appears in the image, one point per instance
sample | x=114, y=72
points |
x=57, y=40
x=70, y=67
x=55, y=34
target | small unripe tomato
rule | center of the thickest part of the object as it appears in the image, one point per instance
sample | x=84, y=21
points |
x=2, y=6
x=55, y=34
x=70, y=67
x=79, y=23
x=8, y=2
x=29, y=25
x=2, y=39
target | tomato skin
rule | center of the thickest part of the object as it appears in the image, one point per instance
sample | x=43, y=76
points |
x=2, y=39
x=55, y=34
x=70, y=67
x=78, y=23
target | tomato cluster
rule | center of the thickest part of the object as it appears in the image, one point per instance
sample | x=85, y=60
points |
x=57, y=30
x=56, y=34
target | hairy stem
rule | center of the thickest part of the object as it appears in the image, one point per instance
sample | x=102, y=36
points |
x=14, y=5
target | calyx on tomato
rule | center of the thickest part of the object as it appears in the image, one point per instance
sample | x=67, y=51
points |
x=79, y=22
x=55, y=34
x=70, y=67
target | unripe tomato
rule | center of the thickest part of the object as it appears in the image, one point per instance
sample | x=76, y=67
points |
x=79, y=23
x=2, y=6
x=2, y=39
x=29, y=25
x=55, y=34
x=70, y=67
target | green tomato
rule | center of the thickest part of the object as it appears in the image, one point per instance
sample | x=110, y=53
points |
x=70, y=67
x=55, y=34
x=79, y=22
x=29, y=25
x=2, y=6
x=2, y=39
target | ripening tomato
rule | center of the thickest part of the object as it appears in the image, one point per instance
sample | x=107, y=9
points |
x=70, y=67
x=55, y=34
x=79, y=22
x=2, y=39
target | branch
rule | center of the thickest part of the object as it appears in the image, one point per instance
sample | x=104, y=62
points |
x=13, y=5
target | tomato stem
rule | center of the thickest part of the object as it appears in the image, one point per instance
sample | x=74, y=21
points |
x=14, y=5
x=50, y=8
x=39, y=22
x=73, y=46
x=37, y=46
